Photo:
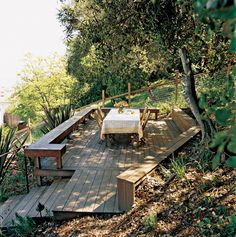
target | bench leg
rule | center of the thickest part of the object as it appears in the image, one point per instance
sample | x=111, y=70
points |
x=156, y=116
x=59, y=162
x=126, y=193
x=38, y=165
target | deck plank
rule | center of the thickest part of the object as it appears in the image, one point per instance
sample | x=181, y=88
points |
x=103, y=191
x=74, y=197
x=21, y=205
x=45, y=199
x=80, y=203
x=92, y=194
x=68, y=193
x=8, y=207
x=111, y=195
x=54, y=198
x=32, y=203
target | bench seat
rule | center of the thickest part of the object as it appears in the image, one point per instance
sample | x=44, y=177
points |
x=128, y=180
x=47, y=146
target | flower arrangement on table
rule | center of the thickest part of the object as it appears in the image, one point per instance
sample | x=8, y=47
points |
x=121, y=105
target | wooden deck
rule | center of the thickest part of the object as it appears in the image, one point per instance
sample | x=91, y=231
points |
x=93, y=186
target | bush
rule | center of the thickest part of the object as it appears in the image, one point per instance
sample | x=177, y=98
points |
x=150, y=222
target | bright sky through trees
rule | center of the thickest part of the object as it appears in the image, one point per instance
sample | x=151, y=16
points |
x=27, y=26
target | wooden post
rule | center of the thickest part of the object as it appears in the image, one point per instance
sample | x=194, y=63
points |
x=30, y=131
x=176, y=85
x=129, y=93
x=103, y=98
x=26, y=174
x=37, y=164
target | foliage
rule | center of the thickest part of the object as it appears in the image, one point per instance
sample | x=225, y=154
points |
x=150, y=222
x=221, y=106
x=54, y=117
x=36, y=134
x=7, y=138
x=178, y=166
x=9, y=146
x=224, y=226
x=45, y=83
x=15, y=177
x=111, y=43
x=21, y=226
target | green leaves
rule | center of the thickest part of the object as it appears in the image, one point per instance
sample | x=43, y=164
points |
x=216, y=161
x=45, y=82
x=203, y=101
x=222, y=115
x=232, y=144
x=7, y=139
x=219, y=138
x=231, y=162
x=232, y=48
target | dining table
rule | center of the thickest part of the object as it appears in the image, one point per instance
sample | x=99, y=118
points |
x=126, y=121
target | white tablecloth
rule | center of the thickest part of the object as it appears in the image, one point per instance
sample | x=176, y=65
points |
x=126, y=122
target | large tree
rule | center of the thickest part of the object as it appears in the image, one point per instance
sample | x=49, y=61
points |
x=45, y=84
x=136, y=41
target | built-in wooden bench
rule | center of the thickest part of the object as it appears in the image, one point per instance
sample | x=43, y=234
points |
x=47, y=146
x=154, y=111
x=129, y=179
x=182, y=120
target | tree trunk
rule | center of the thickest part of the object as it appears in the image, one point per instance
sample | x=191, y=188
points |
x=191, y=96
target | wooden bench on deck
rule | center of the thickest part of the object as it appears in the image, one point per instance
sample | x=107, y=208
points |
x=129, y=179
x=48, y=145
x=152, y=111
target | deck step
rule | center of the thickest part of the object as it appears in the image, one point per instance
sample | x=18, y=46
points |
x=22, y=206
x=88, y=191
x=8, y=207
x=26, y=205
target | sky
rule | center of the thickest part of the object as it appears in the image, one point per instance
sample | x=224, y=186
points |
x=27, y=26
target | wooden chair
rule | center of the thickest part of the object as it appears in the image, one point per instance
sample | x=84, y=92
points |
x=145, y=120
x=144, y=123
x=144, y=114
x=98, y=119
x=101, y=114
x=99, y=122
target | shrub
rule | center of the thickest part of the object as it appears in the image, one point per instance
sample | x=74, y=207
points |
x=22, y=226
x=150, y=222
x=178, y=166
x=54, y=117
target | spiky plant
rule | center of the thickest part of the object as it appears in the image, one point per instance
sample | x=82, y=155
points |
x=54, y=117
x=7, y=139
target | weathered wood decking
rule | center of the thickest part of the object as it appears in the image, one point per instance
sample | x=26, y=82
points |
x=93, y=185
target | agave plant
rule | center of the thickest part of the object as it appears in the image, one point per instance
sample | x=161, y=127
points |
x=54, y=117
x=9, y=146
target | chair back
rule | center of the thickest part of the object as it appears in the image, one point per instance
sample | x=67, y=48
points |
x=101, y=114
x=98, y=119
x=143, y=116
x=145, y=120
